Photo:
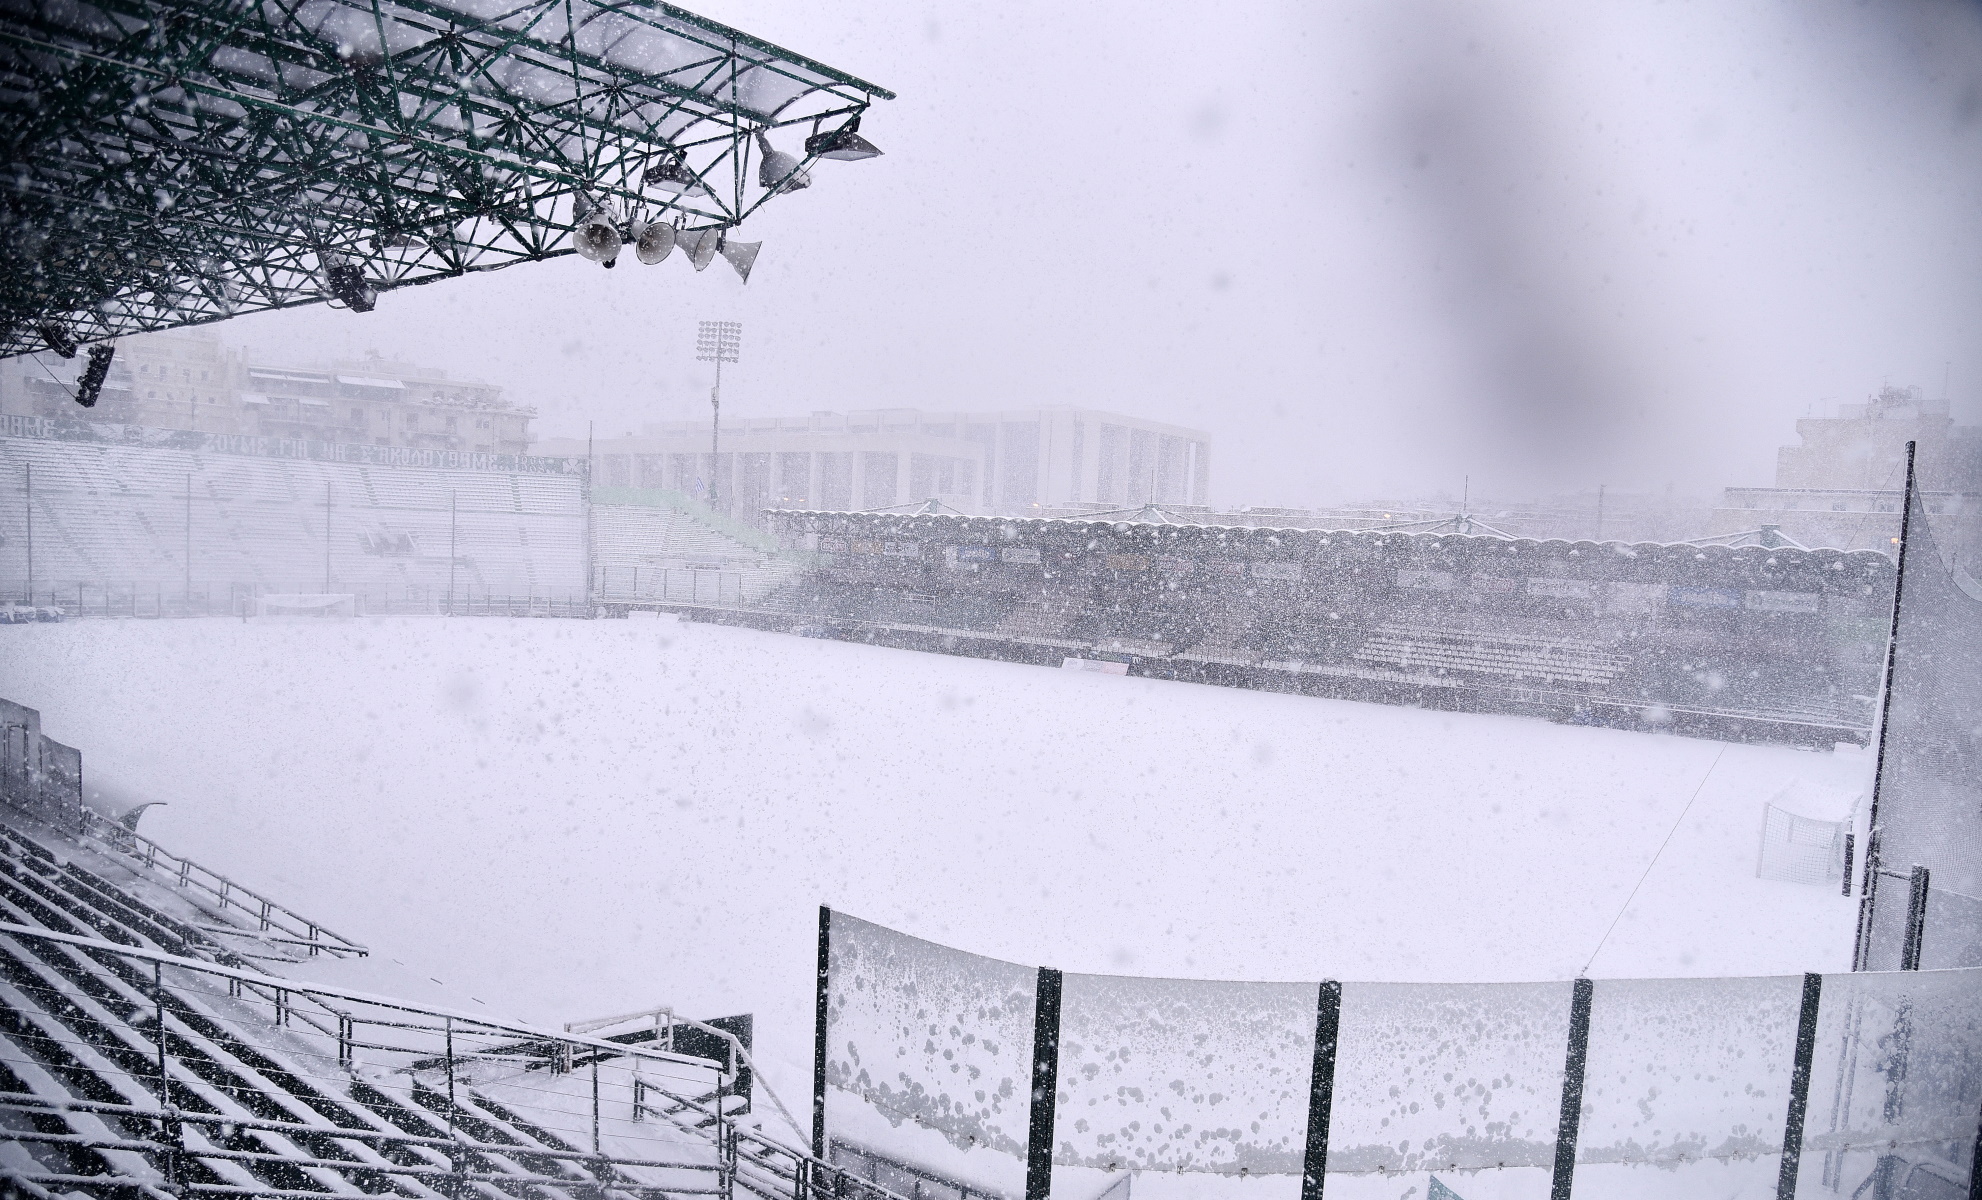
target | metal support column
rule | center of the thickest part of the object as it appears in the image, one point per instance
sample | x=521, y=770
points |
x=1321, y=1089
x=1799, y=1086
x=1571, y=1121
x=819, y=1030
x=1045, y=1086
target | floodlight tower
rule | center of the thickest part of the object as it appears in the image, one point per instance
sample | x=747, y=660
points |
x=717, y=342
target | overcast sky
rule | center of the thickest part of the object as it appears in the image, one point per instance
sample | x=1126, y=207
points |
x=1370, y=246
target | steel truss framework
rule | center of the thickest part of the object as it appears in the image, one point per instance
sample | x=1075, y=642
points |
x=172, y=162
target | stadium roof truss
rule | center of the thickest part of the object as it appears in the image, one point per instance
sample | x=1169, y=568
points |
x=173, y=162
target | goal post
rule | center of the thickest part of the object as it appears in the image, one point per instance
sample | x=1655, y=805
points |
x=307, y=604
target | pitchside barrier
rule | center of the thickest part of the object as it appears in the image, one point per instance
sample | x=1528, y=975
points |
x=148, y=600
x=986, y=1078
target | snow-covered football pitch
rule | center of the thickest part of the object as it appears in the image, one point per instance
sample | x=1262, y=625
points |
x=570, y=819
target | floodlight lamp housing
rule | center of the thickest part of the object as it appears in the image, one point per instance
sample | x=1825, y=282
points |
x=91, y=385
x=653, y=241
x=58, y=337
x=843, y=144
x=778, y=172
x=740, y=255
x=597, y=237
x=668, y=172
x=347, y=283
x=700, y=245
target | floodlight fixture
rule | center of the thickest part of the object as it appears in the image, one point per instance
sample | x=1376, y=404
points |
x=669, y=172
x=717, y=342
x=347, y=283
x=700, y=245
x=597, y=237
x=741, y=255
x=91, y=385
x=434, y=142
x=58, y=337
x=778, y=172
x=843, y=144
x=653, y=241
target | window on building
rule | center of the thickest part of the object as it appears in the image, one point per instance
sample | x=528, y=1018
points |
x=357, y=414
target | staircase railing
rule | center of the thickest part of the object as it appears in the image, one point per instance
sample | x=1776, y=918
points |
x=272, y=920
x=501, y=1103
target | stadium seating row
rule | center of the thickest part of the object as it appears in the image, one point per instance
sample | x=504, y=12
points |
x=156, y=1042
x=1785, y=642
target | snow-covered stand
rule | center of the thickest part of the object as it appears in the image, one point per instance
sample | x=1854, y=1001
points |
x=1753, y=643
x=1836, y=1085
x=164, y=1031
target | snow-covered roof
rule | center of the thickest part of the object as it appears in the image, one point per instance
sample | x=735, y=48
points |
x=1327, y=536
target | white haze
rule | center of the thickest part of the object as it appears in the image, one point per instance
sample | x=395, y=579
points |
x=1372, y=247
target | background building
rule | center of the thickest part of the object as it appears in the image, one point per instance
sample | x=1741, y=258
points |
x=187, y=379
x=1842, y=486
x=1008, y=461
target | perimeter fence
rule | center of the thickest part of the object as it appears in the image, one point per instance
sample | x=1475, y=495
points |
x=1020, y=1081
x=153, y=600
x=1922, y=886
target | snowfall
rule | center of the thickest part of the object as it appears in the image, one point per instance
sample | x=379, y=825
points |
x=560, y=820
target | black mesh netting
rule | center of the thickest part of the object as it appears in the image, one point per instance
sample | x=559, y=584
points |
x=1929, y=798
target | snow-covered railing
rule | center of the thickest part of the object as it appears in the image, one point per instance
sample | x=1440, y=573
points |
x=271, y=920
x=175, y=1075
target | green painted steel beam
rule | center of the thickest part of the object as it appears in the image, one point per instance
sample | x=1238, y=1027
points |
x=174, y=162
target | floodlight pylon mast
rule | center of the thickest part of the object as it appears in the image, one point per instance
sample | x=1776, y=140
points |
x=718, y=342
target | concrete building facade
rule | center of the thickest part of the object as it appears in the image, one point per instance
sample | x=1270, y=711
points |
x=1015, y=461
x=187, y=379
x=1843, y=485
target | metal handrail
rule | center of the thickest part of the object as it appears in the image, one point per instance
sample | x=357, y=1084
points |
x=184, y=872
x=744, y=1158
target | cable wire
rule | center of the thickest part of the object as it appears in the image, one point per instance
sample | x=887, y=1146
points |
x=1655, y=861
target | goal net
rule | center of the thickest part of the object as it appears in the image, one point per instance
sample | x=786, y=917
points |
x=1797, y=849
x=307, y=604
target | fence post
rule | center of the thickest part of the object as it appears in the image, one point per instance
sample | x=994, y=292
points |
x=1573, y=1065
x=1916, y=919
x=1799, y=1086
x=819, y=1033
x=453, y=1149
x=1321, y=1088
x=1045, y=1086
x=168, y=1124
x=725, y=1146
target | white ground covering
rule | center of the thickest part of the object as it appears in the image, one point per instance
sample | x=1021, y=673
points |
x=569, y=819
